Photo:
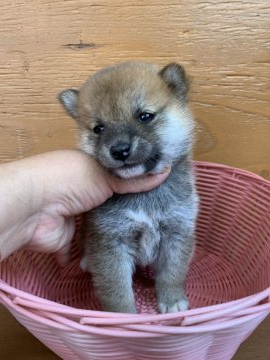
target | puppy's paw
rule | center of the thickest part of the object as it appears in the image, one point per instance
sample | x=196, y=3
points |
x=171, y=299
x=181, y=305
x=83, y=264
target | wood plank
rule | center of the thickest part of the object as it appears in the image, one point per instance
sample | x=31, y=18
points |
x=47, y=46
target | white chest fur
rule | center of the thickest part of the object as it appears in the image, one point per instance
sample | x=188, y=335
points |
x=149, y=236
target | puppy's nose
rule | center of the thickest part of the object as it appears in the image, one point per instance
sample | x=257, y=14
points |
x=120, y=151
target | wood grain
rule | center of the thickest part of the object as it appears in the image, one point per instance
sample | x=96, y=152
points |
x=46, y=46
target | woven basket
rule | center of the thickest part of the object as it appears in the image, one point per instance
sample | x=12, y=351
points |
x=228, y=286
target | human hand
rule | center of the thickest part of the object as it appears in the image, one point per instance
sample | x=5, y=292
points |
x=43, y=194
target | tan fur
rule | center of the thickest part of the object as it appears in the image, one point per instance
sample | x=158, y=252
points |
x=132, y=81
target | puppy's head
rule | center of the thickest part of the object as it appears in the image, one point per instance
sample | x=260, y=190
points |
x=133, y=118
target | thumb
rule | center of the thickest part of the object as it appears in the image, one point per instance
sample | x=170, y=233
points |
x=63, y=253
x=138, y=184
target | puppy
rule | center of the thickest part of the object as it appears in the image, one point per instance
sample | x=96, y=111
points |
x=133, y=118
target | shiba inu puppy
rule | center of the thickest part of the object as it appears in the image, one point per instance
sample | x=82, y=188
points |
x=133, y=118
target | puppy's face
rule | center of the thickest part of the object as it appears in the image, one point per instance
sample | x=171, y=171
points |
x=132, y=117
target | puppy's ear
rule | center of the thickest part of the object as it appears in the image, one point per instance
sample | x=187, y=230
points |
x=69, y=100
x=175, y=77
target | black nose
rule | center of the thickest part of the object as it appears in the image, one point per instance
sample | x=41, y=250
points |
x=120, y=151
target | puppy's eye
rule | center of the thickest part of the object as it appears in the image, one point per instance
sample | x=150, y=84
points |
x=146, y=117
x=98, y=129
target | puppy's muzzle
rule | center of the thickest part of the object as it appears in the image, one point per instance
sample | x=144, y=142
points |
x=120, y=151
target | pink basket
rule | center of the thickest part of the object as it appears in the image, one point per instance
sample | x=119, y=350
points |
x=228, y=286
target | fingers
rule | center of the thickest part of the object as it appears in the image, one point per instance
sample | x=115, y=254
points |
x=54, y=235
x=139, y=184
x=63, y=254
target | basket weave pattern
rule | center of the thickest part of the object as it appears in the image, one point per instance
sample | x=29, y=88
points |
x=227, y=285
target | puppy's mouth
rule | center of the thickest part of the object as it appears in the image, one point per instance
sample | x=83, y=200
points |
x=127, y=171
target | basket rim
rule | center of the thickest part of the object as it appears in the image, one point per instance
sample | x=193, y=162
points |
x=38, y=303
x=129, y=330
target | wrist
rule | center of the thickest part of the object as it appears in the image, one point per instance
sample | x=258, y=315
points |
x=17, y=207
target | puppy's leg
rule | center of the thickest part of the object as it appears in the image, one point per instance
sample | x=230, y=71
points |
x=112, y=271
x=175, y=253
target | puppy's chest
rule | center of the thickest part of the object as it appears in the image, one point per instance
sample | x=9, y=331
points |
x=145, y=235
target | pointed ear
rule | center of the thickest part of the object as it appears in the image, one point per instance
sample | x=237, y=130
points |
x=69, y=100
x=175, y=77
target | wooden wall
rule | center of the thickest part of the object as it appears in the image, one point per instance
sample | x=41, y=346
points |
x=46, y=46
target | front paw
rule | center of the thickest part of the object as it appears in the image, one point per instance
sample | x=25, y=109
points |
x=181, y=305
x=83, y=264
x=171, y=302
